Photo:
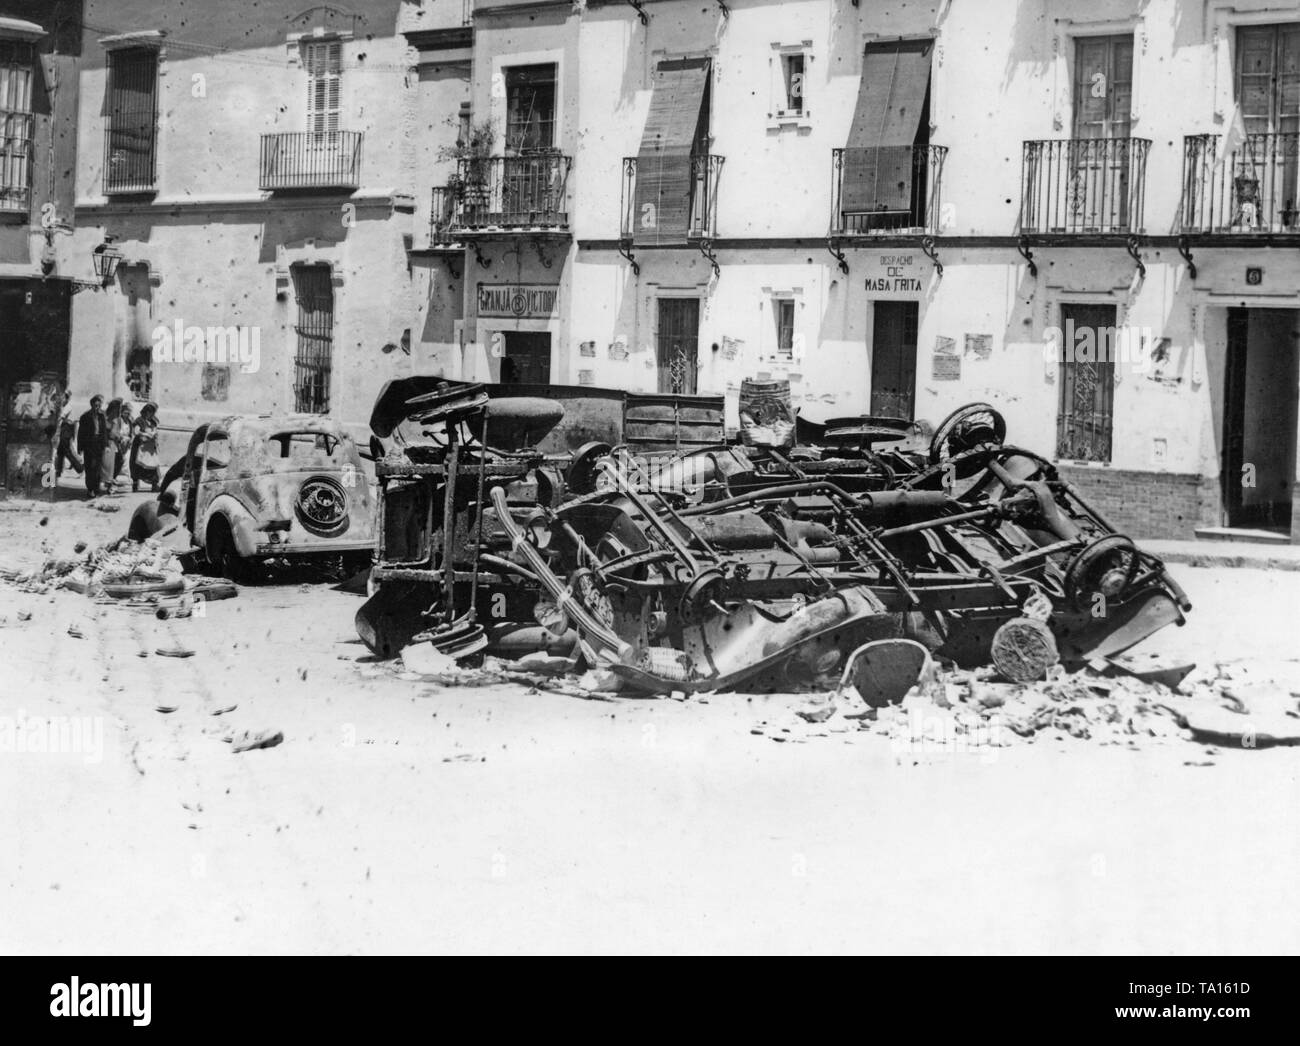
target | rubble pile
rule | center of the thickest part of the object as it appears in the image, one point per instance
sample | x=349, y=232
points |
x=1238, y=705
x=93, y=571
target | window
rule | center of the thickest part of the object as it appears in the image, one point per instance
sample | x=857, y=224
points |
x=783, y=312
x=530, y=108
x=131, y=138
x=792, y=79
x=315, y=329
x=16, y=64
x=216, y=452
x=139, y=372
x=323, y=60
x=463, y=125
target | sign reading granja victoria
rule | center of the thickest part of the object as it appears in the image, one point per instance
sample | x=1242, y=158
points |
x=520, y=301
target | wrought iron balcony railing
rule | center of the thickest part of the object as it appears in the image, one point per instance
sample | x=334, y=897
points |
x=311, y=160
x=649, y=213
x=130, y=159
x=891, y=189
x=528, y=192
x=15, y=162
x=1250, y=189
x=1084, y=186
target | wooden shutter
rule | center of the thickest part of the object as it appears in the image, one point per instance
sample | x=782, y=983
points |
x=1103, y=86
x=878, y=158
x=663, y=165
x=324, y=62
x=132, y=119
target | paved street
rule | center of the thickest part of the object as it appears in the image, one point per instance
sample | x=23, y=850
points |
x=398, y=815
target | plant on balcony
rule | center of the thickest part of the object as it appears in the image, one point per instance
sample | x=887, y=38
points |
x=472, y=155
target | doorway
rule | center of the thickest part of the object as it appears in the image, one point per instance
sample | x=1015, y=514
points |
x=527, y=358
x=1085, y=414
x=677, y=346
x=893, y=359
x=1259, y=417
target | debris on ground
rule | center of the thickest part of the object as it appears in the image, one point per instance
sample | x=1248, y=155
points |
x=143, y=575
x=248, y=740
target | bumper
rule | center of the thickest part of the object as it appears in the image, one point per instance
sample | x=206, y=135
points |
x=253, y=543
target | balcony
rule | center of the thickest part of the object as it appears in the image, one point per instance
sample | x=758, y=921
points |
x=1084, y=187
x=311, y=160
x=15, y=162
x=130, y=159
x=1250, y=190
x=671, y=206
x=502, y=194
x=891, y=190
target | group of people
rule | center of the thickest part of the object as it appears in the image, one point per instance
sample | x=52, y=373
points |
x=101, y=443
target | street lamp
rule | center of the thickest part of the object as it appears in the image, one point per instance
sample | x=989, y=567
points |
x=105, y=258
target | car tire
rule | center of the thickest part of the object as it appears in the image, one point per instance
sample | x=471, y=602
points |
x=222, y=555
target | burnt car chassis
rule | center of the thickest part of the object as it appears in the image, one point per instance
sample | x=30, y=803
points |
x=725, y=567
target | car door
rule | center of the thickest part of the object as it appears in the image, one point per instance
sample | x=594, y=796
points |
x=211, y=478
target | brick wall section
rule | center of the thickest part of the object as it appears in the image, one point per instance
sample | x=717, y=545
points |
x=1148, y=504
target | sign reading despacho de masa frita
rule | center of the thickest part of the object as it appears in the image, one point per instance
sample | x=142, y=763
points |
x=519, y=301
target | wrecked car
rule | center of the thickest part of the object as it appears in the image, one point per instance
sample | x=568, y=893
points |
x=254, y=489
x=716, y=566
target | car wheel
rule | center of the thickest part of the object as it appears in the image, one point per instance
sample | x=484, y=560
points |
x=223, y=556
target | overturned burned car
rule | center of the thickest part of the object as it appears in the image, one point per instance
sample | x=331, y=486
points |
x=625, y=529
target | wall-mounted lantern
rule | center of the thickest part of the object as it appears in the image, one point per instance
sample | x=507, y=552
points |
x=106, y=259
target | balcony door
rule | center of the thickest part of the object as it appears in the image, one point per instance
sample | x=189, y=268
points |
x=1265, y=166
x=893, y=359
x=1101, y=161
x=531, y=181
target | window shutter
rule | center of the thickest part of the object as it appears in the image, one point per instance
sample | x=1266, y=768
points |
x=132, y=119
x=324, y=63
x=878, y=158
x=664, y=181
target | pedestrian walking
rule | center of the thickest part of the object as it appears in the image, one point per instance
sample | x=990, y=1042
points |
x=92, y=443
x=144, y=463
x=122, y=431
x=65, y=439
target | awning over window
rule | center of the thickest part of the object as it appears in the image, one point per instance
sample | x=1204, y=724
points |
x=878, y=158
x=677, y=118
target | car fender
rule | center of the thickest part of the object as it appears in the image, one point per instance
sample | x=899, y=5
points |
x=243, y=525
